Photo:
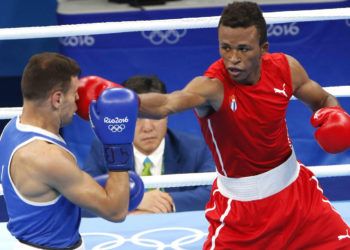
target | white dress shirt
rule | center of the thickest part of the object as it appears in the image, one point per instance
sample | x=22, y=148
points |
x=156, y=158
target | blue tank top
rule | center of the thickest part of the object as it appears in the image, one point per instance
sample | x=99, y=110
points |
x=53, y=224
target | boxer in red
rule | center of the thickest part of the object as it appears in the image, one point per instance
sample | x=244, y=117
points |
x=263, y=198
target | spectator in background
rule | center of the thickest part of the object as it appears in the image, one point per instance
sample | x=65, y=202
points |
x=158, y=150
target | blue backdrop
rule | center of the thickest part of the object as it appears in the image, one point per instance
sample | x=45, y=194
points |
x=176, y=56
x=14, y=54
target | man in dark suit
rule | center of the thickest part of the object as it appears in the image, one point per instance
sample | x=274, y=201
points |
x=158, y=150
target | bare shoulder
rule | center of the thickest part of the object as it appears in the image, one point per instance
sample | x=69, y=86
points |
x=45, y=152
x=205, y=83
x=298, y=73
x=210, y=89
x=48, y=160
x=297, y=70
x=289, y=58
x=37, y=167
x=34, y=153
x=58, y=161
x=293, y=62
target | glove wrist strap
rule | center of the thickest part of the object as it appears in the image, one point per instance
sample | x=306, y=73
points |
x=119, y=157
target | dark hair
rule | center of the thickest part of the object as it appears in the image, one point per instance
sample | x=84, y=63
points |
x=46, y=72
x=145, y=84
x=244, y=15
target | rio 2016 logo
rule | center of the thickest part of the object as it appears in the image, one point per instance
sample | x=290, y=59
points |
x=291, y=29
x=77, y=41
x=116, y=124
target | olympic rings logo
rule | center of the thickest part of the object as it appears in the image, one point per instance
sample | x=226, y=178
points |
x=191, y=236
x=158, y=37
x=116, y=127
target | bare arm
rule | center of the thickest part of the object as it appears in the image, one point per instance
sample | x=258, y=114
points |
x=307, y=90
x=201, y=93
x=331, y=121
x=58, y=170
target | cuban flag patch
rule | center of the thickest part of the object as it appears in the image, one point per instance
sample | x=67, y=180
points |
x=233, y=103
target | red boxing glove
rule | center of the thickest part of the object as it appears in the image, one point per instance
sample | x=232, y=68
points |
x=333, y=133
x=89, y=89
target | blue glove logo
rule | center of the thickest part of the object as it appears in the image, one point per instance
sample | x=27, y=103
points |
x=116, y=128
x=114, y=123
x=114, y=116
x=116, y=120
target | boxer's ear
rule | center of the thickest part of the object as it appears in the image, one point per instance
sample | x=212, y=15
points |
x=56, y=98
x=264, y=47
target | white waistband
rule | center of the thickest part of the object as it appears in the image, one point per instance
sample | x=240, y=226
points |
x=260, y=186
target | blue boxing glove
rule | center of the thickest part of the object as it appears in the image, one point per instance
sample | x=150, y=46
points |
x=137, y=188
x=113, y=118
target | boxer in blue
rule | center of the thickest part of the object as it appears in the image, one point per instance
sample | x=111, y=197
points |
x=43, y=186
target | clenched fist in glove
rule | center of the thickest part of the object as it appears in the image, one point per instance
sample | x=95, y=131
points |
x=89, y=89
x=333, y=129
x=137, y=188
x=113, y=118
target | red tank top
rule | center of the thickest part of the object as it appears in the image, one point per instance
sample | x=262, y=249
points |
x=248, y=134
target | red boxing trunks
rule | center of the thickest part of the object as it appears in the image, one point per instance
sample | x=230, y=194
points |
x=297, y=217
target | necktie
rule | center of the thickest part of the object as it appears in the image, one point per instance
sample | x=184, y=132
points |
x=147, y=164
